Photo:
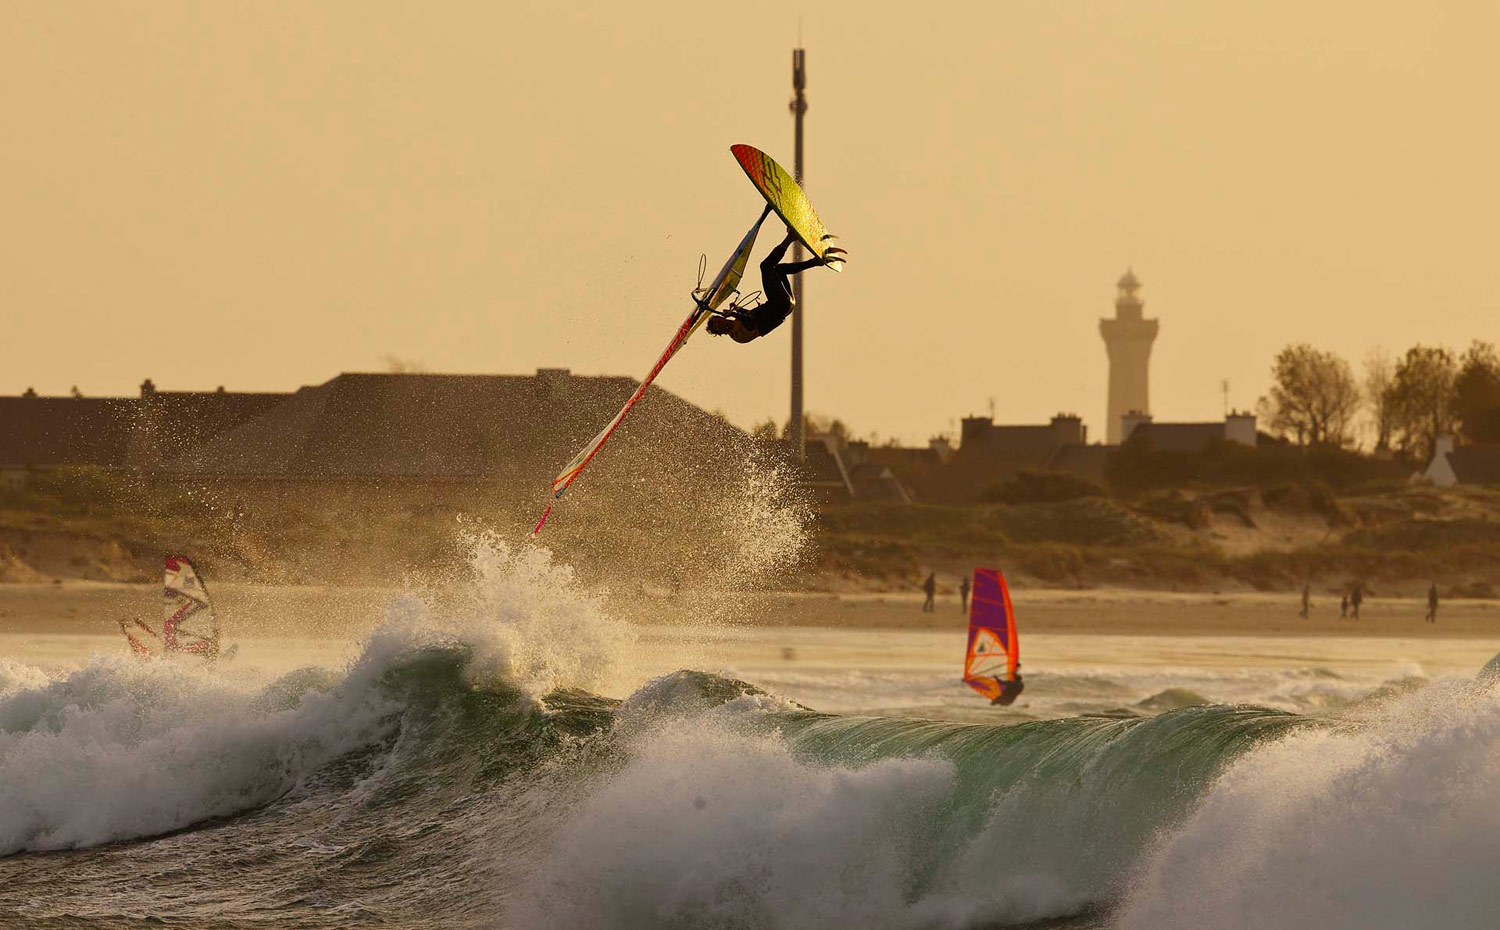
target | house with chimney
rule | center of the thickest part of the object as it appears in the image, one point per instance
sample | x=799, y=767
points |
x=1140, y=429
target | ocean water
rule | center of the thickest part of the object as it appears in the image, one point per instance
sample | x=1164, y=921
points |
x=519, y=758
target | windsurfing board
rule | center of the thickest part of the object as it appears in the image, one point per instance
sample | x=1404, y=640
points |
x=786, y=197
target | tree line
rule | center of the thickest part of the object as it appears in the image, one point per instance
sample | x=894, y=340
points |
x=1317, y=400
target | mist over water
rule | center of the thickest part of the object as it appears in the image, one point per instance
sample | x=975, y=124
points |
x=471, y=766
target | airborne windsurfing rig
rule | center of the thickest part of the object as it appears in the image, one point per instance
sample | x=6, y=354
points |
x=783, y=195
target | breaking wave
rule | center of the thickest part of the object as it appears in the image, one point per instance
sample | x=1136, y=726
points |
x=464, y=770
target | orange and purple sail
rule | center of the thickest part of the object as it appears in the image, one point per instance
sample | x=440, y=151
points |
x=993, y=653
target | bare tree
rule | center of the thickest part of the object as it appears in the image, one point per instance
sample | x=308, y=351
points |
x=1424, y=398
x=1379, y=387
x=1313, y=396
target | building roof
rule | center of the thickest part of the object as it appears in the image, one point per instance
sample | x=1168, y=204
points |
x=1476, y=464
x=439, y=427
x=1177, y=437
x=874, y=481
x=1018, y=446
x=1085, y=461
x=46, y=431
x=118, y=431
x=904, y=457
x=170, y=423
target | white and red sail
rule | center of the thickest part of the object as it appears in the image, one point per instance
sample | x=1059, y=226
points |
x=189, y=625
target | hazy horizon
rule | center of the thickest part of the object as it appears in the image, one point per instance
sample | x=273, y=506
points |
x=262, y=197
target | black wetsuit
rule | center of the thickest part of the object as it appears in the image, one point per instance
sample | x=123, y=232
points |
x=775, y=280
x=1009, y=690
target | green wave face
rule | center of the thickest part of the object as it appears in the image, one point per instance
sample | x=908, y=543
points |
x=699, y=801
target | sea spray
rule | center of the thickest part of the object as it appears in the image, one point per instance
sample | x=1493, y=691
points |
x=730, y=807
x=1388, y=821
x=668, y=539
x=538, y=629
x=709, y=826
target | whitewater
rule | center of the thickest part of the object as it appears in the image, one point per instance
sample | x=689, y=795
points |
x=512, y=754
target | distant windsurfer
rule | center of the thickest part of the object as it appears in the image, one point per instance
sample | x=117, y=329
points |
x=1009, y=689
x=747, y=323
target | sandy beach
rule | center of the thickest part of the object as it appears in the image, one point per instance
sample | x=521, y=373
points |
x=91, y=608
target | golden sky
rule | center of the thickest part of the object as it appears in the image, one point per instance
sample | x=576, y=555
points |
x=262, y=195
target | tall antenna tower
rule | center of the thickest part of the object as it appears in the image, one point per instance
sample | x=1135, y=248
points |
x=799, y=108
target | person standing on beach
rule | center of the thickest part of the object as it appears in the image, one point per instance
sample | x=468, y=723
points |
x=1306, y=601
x=963, y=595
x=930, y=586
x=1432, y=603
x=1356, y=598
x=1343, y=606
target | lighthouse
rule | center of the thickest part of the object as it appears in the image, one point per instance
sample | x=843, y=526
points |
x=1127, y=339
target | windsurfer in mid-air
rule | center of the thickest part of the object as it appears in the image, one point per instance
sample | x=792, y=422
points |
x=746, y=323
x=1009, y=689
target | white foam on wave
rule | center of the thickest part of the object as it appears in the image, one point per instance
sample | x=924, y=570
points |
x=18, y=676
x=707, y=827
x=530, y=622
x=121, y=749
x=1390, y=823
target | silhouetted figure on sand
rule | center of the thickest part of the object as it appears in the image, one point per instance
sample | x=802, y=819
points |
x=1356, y=598
x=1432, y=603
x=1306, y=601
x=963, y=595
x=1343, y=606
x=930, y=586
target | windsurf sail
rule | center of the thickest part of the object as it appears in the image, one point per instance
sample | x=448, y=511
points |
x=705, y=301
x=190, y=624
x=993, y=654
x=138, y=645
x=786, y=197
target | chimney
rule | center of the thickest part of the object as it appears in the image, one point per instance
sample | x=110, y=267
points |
x=1240, y=428
x=1067, y=430
x=975, y=434
x=942, y=447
